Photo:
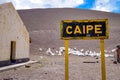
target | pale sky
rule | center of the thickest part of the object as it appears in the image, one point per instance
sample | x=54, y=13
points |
x=101, y=5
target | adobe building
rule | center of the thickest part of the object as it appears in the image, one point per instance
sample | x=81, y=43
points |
x=14, y=37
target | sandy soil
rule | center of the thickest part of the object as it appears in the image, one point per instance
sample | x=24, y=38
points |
x=52, y=68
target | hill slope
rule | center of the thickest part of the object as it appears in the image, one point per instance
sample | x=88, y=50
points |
x=44, y=27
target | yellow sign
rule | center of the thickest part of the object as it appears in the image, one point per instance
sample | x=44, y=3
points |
x=84, y=29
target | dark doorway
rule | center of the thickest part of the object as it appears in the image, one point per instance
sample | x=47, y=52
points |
x=13, y=51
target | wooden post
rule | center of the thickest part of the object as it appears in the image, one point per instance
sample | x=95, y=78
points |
x=103, y=72
x=66, y=61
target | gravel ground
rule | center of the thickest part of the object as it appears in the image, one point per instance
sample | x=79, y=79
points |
x=52, y=68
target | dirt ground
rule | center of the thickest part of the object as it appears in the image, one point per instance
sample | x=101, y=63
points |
x=52, y=68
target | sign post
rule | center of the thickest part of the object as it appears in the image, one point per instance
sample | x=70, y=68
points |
x=84, y=29
x=103, y=68
x=66, y=61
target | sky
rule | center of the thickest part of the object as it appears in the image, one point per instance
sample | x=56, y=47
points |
x=100, y=5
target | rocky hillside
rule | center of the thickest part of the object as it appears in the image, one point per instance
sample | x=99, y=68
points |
x=44, y=27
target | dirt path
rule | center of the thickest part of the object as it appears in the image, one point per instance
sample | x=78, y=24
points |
x=52, y=68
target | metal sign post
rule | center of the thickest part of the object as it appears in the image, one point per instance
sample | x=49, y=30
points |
x=84, y=29
x=103, y=68
x=66, y=61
